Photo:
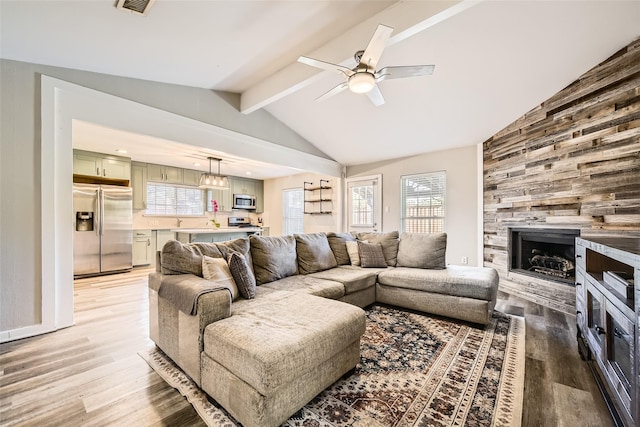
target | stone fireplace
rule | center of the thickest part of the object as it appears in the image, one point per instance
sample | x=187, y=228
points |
x=544, y=253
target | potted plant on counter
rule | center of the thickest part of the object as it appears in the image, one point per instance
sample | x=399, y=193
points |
x=214, y=208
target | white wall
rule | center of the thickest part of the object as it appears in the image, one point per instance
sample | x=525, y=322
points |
x=273, y=212
x=36, y=166
x=461, y=210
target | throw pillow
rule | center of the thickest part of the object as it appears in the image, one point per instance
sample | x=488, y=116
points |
x=371, y=255
x=314, y=253
x=389, y=242
x=240, y=245
x=338, y=241
x=273, y=258
x=352, y=250
x=217, y=270
x=420, y=250
x=242, y=275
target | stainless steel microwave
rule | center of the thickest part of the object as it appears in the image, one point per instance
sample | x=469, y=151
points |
x=244, y=201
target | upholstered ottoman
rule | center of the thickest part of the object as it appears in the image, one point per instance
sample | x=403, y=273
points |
x=275, y=354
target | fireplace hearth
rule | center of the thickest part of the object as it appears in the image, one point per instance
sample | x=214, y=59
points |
x=544, y=253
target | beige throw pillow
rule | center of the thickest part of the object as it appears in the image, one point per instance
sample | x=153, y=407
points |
x=352, y=250
x=217, y=270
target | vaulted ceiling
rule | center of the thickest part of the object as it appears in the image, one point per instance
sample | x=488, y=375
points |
x=494, y=60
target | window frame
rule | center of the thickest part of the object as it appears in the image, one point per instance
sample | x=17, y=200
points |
x=431, y=219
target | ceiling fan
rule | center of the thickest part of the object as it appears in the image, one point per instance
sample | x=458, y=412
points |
x=364, y=77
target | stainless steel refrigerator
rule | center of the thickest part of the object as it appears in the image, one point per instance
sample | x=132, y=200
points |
x=102, y=223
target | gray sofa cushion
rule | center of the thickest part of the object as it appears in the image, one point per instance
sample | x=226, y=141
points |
x=455, y=280
x=389, y=242
x=177, y=258
x=314, y=253
x=309, y=285
x=337, y=241
x=353, y=279
x=421, y=250
x=242, y=274
x=184, y=258
x=273, y=258
x=371, y=255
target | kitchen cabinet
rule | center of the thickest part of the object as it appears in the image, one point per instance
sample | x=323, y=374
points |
x=101, y=165
x=192, y=235
x=162, y=237
x=191, y=177
x=143, y=251
x=252, y=187
x=139, y=185
x=243, y=186
x=223, y=197
x=161, y=173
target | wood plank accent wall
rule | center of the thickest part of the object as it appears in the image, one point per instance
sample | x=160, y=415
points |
x=571, y=162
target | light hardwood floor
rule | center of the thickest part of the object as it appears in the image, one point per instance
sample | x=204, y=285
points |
x=90, y=374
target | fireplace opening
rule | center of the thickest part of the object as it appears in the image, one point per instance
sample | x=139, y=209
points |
x=544, y=253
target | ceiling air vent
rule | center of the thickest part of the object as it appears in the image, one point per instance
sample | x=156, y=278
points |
x=141, y=7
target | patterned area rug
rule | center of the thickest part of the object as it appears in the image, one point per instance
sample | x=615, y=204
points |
x=414, y=370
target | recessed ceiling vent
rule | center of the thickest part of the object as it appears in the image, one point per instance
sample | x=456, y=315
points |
x=141, y=7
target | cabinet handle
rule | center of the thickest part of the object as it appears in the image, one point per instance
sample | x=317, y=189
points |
x=97, y=171
x=578, y=284
x=578, y=312
x=618, y=333
x=148, y=242
x=578, y=256
x=104, y=172
x=600, y=330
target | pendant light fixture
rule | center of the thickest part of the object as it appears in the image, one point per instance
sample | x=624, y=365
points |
x=211, y=180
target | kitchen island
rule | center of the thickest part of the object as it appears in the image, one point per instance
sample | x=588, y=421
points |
x=209, y=235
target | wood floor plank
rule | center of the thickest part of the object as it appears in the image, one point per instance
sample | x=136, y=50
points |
x=91, y=374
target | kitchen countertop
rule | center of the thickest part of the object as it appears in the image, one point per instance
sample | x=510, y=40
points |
x=217, y=230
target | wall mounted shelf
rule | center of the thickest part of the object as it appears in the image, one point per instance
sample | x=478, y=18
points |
x=318, y=199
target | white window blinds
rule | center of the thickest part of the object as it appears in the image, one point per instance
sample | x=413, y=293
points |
x=423, y=202
x=167, y=199
x=293, y=211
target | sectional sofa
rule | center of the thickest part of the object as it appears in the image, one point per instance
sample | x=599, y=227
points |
x=263, y=324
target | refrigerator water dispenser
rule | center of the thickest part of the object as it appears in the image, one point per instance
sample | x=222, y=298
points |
x=84, y=221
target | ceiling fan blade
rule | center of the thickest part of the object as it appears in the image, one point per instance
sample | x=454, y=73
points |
x=326, y=65
x=404, y=71
x=376, y=45
x=334, y=91
x=376, y=96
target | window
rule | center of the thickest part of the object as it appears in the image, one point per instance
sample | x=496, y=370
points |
x=364, y=208
x=423, y=201
x=166, y=199
x=293, y=211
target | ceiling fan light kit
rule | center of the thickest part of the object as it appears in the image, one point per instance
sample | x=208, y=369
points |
x=213, y=181
x=364, y=79
x=361, y=82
